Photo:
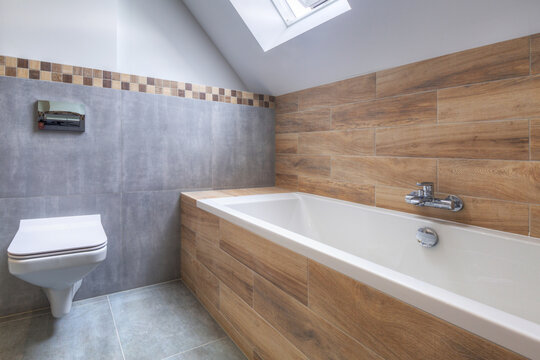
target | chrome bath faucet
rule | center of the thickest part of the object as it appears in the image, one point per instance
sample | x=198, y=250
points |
x=425, y=197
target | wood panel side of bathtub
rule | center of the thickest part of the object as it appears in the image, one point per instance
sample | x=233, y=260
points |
x=340, y=318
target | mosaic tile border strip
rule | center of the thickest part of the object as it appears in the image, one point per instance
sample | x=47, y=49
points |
x=69, y=74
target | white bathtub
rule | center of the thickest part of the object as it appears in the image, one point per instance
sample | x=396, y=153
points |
x=482, y=280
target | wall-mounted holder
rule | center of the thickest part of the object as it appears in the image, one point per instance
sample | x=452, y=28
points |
x=63, y=116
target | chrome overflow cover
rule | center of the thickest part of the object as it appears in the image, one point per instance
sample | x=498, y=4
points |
x=427, y=237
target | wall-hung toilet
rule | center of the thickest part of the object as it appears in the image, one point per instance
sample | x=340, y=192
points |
x=56, y=253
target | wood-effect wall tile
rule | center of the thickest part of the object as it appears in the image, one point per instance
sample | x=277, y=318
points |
x=199, y=221
x=535, y=54
x=188, y=270
x=309, y=165
x=379, y=170
x=535, y=221
x=390, y=327
x=268, y=342
x=535, y=139
x=494, y=214
x=348, y=142
x=413, y=109
x=286, y=143
x=337, y=93
x=187, y=238
x=310, y=333
x=208, y=225
x=495, y=179
x=363, y=194
x=492, y=62
x=312, y=120
x=254, y=191
x=198, y=278
x=287, y=103
x=283, y=267
x=229, y=270
x=493, y=140
x=498, y=100
x=287, y=181
x=243, y=344
x=192, y=197
x=188, y=215
x=206, y=283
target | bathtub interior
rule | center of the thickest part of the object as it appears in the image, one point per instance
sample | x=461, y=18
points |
x=495, y=268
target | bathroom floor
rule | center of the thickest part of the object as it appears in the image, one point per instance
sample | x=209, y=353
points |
x=163, y=321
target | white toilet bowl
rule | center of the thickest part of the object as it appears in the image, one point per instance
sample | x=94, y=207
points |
x=56, y=253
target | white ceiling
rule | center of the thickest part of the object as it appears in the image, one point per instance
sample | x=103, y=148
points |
x=374, y=35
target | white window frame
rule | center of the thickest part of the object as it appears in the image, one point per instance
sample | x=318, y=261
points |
x=288, y=15
x=268, y=26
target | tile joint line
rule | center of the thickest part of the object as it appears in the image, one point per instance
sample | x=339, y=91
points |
x=115, y=328
x=196, y=347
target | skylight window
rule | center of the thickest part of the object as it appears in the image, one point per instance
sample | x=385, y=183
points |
x=273, y=22
x=293, y=10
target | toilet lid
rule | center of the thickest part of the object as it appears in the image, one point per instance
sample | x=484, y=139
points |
x=56, y=236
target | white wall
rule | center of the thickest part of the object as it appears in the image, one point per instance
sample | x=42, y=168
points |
x=374, y=35
x=65, y=31
x=158, y=38
x=162, y=39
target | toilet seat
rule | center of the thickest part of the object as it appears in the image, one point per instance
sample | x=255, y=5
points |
x=55, y=253
x=38, y=238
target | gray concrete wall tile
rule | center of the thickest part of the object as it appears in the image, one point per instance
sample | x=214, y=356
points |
x=244, y=146
x=37, y=163
x=166, y=143
x=151, y=237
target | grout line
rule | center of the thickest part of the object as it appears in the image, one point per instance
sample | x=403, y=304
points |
x=383, y=156
x=467, y=195
x=124, y=192
x=29, y=312
x=408, y=125
x=196, y=347
x=143, y=287
x=29, y=316
x=115, y=328
x=420, y=91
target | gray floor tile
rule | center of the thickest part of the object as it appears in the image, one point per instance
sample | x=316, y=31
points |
x=223, y=349
x=161, y=321
x=87, y=332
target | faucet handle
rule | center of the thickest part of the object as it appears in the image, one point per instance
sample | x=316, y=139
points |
x=427, y=187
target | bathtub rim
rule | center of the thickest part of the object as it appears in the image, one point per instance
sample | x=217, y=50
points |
x=515, y=333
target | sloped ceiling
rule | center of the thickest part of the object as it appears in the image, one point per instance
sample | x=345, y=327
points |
x=374, y=35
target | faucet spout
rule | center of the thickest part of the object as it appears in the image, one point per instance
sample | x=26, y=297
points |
x=426, y=198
